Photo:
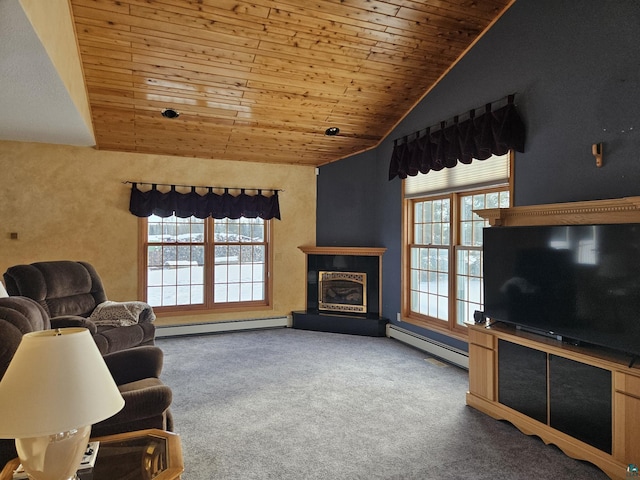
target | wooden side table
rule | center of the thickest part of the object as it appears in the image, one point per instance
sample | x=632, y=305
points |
x=136, y=455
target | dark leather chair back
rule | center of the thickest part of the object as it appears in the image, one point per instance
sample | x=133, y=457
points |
x=61, y=287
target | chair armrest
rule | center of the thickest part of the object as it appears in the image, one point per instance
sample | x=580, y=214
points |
x=139, y=405
x=135, y=364
x=146, y=402
x=74, y=321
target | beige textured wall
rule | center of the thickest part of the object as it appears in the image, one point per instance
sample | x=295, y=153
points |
x=70, y=203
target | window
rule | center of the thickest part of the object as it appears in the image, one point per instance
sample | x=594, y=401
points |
x=469, y=251
x=430, y=258
x=191, y=263
x=443, y=241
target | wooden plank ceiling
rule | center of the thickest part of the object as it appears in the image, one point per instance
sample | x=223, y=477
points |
x=262, y=80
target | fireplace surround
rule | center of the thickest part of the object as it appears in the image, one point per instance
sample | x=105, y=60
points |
x=343, y=291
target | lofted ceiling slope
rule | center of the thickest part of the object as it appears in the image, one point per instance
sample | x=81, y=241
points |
x=261, y=80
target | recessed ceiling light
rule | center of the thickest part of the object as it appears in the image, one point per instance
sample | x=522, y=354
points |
x=331, y=131
x=170, y=113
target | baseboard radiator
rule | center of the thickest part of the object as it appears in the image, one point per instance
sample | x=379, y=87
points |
x=447, y=353
x=219, y=327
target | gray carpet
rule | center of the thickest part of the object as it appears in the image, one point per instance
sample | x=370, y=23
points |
x=294, y=405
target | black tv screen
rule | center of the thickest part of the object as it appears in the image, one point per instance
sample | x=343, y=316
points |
x=581, y=282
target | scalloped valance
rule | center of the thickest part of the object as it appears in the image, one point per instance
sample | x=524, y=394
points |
x=478, y=137
x=203, y=205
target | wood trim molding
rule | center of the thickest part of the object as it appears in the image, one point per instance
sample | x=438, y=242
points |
x=620, y=210
x=370, y=251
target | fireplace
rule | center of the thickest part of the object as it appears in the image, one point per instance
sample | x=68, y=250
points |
x=342, y=292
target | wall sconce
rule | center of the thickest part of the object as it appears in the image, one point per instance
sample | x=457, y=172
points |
x=596, y=149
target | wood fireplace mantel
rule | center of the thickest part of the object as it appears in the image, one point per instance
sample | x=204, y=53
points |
x=311, y=250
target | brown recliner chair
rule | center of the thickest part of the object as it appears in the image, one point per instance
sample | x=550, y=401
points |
x=135, y=371
x=70, y=292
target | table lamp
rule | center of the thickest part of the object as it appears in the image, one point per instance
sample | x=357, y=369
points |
x=56, y=386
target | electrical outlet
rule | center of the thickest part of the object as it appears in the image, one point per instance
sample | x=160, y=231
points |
x=398, y=318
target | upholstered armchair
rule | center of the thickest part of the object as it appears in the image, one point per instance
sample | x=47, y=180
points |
x=72, y=294
x=136, y=372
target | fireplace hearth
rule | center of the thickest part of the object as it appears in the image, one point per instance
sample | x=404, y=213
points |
x=343, y=291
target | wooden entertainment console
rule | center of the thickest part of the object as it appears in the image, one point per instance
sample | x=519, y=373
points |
x=596, y=419
x=585, y=400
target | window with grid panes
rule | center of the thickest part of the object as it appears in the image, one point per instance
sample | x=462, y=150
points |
x=469, y=251
x=195, y=263
x=430, y=258
x=443, y=284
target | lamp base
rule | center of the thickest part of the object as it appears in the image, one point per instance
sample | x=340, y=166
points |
x=53, y=457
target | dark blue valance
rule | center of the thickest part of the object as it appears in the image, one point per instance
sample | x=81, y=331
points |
x=478, y=137
x=203, y=205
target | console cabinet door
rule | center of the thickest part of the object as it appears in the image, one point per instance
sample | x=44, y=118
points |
x=481, y=371
x=522, y=379
x=482, y=365
x=627, y=419
x=580, y=401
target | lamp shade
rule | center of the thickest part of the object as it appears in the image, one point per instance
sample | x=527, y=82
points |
x=57, y=381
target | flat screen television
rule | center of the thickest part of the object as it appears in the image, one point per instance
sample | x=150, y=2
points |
x=580, y=282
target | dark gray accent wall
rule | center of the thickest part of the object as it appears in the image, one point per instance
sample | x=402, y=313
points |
x=348, y=215
x=574, y=66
